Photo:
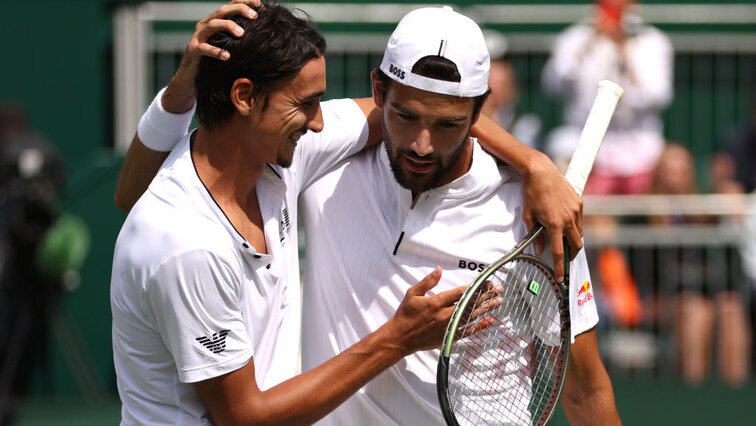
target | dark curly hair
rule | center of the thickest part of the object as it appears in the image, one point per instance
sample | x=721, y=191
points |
x=274, y=47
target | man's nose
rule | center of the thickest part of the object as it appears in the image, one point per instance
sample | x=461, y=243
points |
x=422, y=143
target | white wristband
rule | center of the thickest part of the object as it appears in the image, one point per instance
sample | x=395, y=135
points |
x=160, y=130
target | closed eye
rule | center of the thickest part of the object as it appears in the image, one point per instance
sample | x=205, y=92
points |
x=406, y=117
x=449, y=125
x=311, y=101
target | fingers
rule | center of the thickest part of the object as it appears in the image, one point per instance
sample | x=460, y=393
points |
x=234, y=8
x=540, y=243
x=450, y=297
x=579, y=218
x=527, y=216
x=214, y=26
x=215, y=23
x=489, y=291
x=478, y=326
x=560, y=231
x=575, y=239
x=485, y=307
x=557, y=253
x=427, y=283
x=249, y=2
x=203, y=48
x=481, y=318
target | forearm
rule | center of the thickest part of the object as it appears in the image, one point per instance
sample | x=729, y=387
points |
x=179, y=96
x=588, y=397
x=419, y=323
x=139, y=167
x=374, y=118
x=161, y=128
x=306, y=398
x=593, y=406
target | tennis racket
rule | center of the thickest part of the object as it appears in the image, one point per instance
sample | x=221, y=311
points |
x=504, y=356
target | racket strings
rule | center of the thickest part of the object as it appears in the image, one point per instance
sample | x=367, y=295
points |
x=503, y=374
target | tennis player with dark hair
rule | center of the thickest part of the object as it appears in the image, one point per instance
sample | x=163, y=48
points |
x=386, y=226
x=205, y=289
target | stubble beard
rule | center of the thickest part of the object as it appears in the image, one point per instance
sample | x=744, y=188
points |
x=284, y=161
x=420, y=185
x=285, y=154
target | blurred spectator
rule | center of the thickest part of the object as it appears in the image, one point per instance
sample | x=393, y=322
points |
x=710, y=310
x=501, y=105
x=618, y=46
x=734, y=170
x=31, y=175
x=615, y=45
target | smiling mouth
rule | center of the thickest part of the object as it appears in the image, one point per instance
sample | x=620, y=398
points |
x=417, y=165
x=294, y=138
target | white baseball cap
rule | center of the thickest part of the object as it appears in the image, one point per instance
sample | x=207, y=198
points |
x=438, y=31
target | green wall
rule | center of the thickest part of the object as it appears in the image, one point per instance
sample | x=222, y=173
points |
x=56, y=63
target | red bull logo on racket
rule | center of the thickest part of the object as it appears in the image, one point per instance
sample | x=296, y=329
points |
x=585, y=292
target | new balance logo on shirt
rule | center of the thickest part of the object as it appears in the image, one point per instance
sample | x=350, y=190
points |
x=217, y=343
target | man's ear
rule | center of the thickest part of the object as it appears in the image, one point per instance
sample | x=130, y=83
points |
x=377, y=89
x=241, y=96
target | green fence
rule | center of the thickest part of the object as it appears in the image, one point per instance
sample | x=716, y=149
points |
x=715, y=62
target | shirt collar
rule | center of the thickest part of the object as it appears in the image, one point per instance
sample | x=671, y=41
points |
x=269, y=177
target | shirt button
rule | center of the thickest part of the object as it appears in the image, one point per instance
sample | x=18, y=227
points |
x=257, y=256
x=245, y=245
x=267, y=266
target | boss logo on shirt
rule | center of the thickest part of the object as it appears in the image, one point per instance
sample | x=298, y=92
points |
x=215, y=344
x=396, y=71
x=473, y=266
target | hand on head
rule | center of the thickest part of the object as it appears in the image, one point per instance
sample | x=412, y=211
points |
x=179, y=96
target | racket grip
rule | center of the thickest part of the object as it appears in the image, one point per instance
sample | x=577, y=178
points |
x=609, y=93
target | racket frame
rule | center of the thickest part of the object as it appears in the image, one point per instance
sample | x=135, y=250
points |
x=580, y=167
x=442, y=372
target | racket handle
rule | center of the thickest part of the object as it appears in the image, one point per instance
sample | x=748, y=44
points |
x=608, y=95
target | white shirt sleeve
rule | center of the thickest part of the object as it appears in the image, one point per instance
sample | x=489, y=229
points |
x=193, y=300
x=345, y=132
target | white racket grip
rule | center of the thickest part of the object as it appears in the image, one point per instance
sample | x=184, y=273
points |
x=609, y=93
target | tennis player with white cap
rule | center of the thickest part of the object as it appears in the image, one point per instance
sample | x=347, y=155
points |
x=429, y=196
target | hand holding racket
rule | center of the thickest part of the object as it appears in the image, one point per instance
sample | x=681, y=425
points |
x=510, y=369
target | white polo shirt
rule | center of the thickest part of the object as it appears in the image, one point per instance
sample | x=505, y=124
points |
x=365, y=247
x=192, y=300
